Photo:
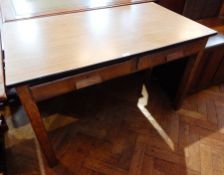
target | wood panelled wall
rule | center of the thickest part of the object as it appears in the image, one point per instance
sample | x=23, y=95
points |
x=195, y=9
x=200, y=9
x=222, y=11
x=175, y=5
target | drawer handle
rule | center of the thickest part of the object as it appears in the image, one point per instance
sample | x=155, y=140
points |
x=175, y=56
x=88, y=81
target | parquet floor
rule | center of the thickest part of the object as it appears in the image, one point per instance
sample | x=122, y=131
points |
x=122, y=128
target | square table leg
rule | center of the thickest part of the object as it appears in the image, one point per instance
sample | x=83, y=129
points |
x=36, y=121
x=186, y=82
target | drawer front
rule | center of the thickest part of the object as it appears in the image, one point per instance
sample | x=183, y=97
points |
x=86, y=80
x=118, y=70
x=151, y=60
x=62, y=86
x=104, y=74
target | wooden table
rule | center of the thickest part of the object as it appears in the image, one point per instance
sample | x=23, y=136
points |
x=46, y=57
x=22, y=9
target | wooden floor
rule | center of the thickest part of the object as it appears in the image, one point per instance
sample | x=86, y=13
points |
x=112, y=129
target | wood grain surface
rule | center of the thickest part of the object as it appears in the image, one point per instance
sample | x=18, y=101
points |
x=41, y=47
x=16, y=9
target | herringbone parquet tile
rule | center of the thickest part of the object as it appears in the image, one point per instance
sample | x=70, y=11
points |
x=120, y=128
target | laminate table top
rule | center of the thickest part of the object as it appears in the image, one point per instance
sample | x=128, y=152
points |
x=21, y=9
x=42, y=47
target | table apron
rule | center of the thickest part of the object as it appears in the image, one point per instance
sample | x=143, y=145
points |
x=134, y=64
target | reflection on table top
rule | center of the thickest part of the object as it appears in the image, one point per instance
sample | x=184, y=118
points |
x=41, y=47
x=19, y=9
